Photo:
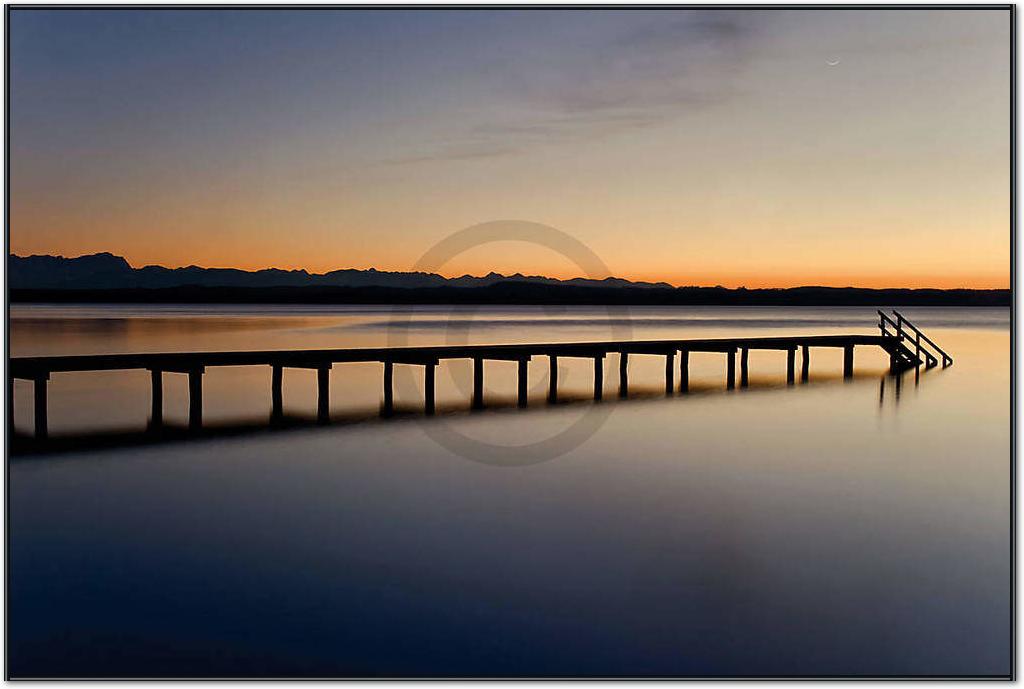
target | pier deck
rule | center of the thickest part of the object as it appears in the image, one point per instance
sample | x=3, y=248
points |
x=194, y=364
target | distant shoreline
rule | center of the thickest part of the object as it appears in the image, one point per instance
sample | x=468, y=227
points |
x=522, y=294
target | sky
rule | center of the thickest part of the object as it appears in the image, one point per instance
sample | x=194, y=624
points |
x=699, y=147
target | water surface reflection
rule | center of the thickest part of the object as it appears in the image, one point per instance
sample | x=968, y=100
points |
x=817, y=529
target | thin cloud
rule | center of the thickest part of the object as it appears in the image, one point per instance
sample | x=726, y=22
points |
x=639, y=77
x=455, y=152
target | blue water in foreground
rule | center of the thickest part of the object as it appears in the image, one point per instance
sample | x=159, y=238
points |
x=828, y=528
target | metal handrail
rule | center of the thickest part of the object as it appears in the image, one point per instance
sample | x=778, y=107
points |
x=901, y=335
x=883, y=319
x=901, y=319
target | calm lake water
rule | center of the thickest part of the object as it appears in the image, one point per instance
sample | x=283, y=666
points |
x=828, y=528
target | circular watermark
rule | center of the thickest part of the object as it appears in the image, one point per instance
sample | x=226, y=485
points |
x=440, y=428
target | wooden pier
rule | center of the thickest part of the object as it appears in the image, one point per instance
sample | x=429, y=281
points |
x=906, y=346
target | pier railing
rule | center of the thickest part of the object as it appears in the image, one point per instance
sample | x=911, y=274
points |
x=906, y=332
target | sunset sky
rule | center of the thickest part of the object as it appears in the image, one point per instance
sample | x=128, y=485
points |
x=756, y=148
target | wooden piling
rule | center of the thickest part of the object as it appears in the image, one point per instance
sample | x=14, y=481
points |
x=790, y=366
x=156, y=412
x=428, y=388
x=195, y=399
x=805, y=363
x=598, y=378
x=276, y=396
x=670, y=372
x=552, y=378
x=389, y=387
x=323, y=394
x=623, y=374
x=684, y=370
x=848, y=361
x=523, y=379
x=40, y=407
x=730, y=369
x=478, y=383
x=744, y=367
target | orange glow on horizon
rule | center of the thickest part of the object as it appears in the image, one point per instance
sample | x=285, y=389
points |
x=703, y=278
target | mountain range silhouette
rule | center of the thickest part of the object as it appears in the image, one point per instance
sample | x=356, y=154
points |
x=106, y=277
x=109, y=271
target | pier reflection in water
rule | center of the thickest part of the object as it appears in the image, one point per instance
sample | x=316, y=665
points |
x=276, y=421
